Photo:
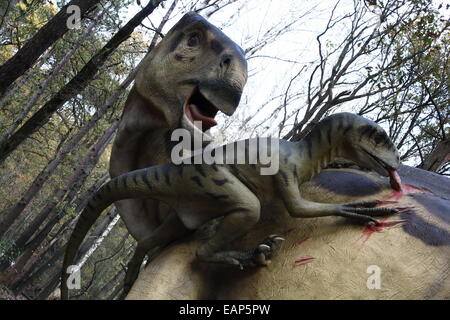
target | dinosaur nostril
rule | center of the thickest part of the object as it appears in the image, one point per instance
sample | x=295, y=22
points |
x=225, y=62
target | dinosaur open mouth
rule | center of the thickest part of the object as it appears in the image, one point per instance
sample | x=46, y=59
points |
x=200, y=111
x=391, y=172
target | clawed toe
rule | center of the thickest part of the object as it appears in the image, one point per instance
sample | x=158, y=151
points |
x=268, y=246
x=262, y=255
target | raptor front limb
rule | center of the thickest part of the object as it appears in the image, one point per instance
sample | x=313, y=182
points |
x=364, y=211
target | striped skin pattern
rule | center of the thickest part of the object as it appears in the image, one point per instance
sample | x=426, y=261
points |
x=328, y=258
x=199, y=193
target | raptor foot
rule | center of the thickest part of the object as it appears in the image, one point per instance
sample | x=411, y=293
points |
x=266, y=249
x=365, y=211
x=260, y=256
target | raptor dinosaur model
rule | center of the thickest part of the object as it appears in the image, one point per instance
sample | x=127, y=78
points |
x=239, y=193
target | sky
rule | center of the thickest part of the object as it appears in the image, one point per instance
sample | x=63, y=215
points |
x=271, y=69
x=246, y=22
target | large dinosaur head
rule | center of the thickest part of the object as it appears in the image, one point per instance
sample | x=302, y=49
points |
x=193, y=73
x=369, y=146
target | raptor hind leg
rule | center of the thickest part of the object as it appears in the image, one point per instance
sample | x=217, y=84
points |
x=233, y=226
x=170, y=230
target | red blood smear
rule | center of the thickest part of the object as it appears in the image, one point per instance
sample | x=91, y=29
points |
x=302, y=240
x=302, y=261
x=372, y=228
x=405, y=190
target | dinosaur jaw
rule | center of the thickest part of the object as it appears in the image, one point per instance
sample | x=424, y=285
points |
x=198, y=115
x=396, y=182
x=386, y=170
x=199, y=111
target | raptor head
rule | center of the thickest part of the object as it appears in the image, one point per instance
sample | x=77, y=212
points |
x=193, y=73
x=369, y=146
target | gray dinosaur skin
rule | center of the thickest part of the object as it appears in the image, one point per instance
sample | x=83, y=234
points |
x=175, y=75
x=239, y=193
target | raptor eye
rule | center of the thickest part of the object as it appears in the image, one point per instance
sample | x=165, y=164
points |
x=194, y=40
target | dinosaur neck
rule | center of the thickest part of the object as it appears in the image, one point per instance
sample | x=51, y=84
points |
x=320, y=147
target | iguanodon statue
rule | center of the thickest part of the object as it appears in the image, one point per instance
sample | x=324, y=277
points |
x=194, y=72
x=243, y=197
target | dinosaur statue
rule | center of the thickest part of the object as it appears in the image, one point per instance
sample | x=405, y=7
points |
x=328, y=258
x=240, y=194
x=193, y=73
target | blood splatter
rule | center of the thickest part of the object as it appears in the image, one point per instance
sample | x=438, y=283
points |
x=301, y=240
x=371, y=228
x=301, y=261
x=405, y=190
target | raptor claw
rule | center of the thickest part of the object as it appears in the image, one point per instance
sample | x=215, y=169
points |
x=374, y=222
x=386, y=201
x=394, y=222
x=403, y=209
x=263, y=247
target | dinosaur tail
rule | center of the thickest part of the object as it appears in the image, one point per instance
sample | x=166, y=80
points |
x=135, y=184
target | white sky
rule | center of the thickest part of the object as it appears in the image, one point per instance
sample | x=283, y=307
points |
x=247, y=21
x=268, y=77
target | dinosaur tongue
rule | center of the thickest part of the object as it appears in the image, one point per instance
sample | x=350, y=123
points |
x=396, y=182
x=194, y=114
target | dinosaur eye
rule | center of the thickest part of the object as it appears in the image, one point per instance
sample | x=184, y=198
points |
x=194, y=40
x=380, y=138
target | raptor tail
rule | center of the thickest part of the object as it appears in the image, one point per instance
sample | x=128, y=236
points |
x=134, y=184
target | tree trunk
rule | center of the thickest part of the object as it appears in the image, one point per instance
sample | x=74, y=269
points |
x=73, y=185
x=50, y=287
x=76, y=85
x=113, y=282
x=103, y=264
x=437, y=158
x=5, y=8
x=42, y=40
x=97, y=233
x=25, y=281
x=39, y=264
x=36, y=268
x=26, y=77
x=12, y=214
x=25, y=256
x=74, y=182
x=48, y=80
